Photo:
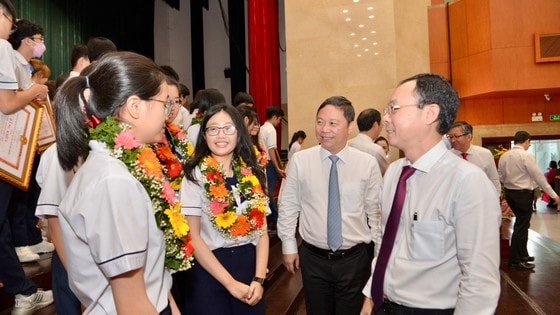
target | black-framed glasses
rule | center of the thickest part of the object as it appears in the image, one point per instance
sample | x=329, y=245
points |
x=167, y=104
x=392, y=108
x=453, y=137
x=40, y=38
x=11, y=20
x=214, y=131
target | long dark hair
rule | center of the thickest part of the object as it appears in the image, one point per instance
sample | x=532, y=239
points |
x=243, y=149
x=110, y=81
x=298, y=134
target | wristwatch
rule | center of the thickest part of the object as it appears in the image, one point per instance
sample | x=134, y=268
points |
x=259, y=280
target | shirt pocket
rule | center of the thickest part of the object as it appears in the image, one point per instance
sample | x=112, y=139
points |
x=427, y=240
x=350, y=197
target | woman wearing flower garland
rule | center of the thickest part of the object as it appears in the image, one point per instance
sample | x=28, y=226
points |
x=251, y=121
x=224, y=202
x=114, y=249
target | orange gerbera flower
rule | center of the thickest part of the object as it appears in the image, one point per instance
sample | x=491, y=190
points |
x=165, y=153
x=240, y=227
x=219, y=191
x=149, y=162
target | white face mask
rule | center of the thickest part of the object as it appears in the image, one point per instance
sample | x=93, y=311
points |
x=39, y=49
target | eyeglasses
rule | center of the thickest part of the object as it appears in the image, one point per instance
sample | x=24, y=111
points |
x=168, y=105
x=41, y=39
x=11, y=20
x=391, y=108
x=228, y=130
x=452, y=137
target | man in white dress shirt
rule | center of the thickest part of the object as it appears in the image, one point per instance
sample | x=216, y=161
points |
x=445, y=256
x=519, y=172
x=369, y=125
x=332, y=278
x=460, y=136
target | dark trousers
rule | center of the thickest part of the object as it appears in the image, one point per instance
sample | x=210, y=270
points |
x=21, y=214
x=11, y=272
x=521, y=203
x=271, y=178
x=334, y=286
x=64, y=299
x=197, y=292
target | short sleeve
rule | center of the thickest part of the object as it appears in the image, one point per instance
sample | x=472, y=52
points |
x=120, y=217
x=192, y=196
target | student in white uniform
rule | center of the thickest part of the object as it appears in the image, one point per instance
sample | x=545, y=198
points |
x=114, y=248
x=223, y=199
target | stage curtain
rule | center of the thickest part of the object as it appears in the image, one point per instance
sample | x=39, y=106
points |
x=264, y=63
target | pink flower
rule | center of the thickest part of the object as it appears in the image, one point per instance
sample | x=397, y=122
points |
x=245, y=171
x=218, y=206
x=168, y=193
x=126, y=140
x=180, y=135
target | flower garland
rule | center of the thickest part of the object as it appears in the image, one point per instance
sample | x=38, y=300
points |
x=222, y=210
x=161, y=182
x=198, y=117
x=262, y=157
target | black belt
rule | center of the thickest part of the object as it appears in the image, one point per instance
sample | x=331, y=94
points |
x=389, y=307
x=520, y=190
x=336, y=255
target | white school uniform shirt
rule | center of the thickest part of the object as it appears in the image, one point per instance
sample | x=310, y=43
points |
x=267, y=136
x=54, y=182
x=194, y=200
x=8, y=78
x=107, y=221
x=448, y=254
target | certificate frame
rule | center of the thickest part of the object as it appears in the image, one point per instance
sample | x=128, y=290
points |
x=18, y=142
x=47, y=131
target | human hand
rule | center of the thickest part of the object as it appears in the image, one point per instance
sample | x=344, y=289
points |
x=291, y=262
x=256, y=291
x=239, y=290
x=367, y=307
x=40, y=91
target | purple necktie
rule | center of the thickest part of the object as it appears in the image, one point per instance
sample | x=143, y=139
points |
x=389, y=238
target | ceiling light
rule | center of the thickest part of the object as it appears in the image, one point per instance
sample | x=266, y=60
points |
x=345, y=11
x=348, y=19
x=361, y=25
x=373, y=32
x=364, y=38
x=352, y=34
x=374, y=43
x=371, y=16
x=370, y=8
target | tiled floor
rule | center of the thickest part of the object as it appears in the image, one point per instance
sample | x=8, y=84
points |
x=546, y=221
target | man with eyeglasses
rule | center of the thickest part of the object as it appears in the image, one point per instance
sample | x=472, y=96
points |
x=440, y=215
x=27, y=297
x=460, y=136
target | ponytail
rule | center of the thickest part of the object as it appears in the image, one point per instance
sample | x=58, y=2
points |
x=71, y=128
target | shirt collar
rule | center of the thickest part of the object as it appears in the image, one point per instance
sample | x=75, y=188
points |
x=430, y=158
x=20, y=58
x=342, y=155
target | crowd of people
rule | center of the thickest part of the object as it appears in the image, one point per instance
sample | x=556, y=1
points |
x=154, y=205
